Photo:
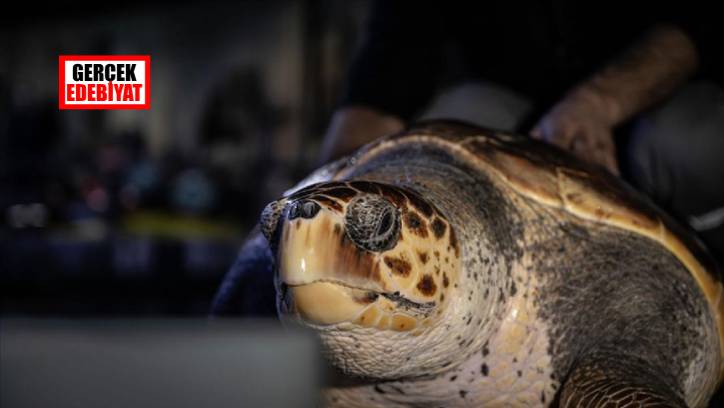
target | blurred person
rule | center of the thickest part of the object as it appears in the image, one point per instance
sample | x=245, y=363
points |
x=630, y=87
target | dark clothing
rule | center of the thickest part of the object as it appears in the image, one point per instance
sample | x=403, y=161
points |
x=535, y=47
x=674, y=155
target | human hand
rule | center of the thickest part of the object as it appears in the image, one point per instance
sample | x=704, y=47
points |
x=354, y=126
x=581, y=124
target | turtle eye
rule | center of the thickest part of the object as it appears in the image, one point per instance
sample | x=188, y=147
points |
x=373, y=223
x=385, y=223
x=309, y=209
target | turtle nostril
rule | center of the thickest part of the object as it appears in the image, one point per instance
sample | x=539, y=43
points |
x=309, y=209
x=305, y=209
x=293, y=211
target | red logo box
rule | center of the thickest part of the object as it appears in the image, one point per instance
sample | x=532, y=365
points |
x=104, y=82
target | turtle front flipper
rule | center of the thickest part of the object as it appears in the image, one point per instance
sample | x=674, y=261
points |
x=609, y=379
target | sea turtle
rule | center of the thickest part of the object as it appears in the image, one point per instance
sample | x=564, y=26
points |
x=450, y=265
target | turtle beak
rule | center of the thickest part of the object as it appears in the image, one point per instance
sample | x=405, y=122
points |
x=323, y=276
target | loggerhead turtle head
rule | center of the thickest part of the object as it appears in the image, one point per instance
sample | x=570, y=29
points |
x=361, y=254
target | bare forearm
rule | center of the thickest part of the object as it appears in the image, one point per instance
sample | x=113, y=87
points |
x=651, y=69
x=646, y=73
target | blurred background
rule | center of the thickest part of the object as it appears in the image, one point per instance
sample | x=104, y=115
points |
x=133, y=213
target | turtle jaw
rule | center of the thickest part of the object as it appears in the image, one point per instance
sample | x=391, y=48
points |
x=318, y=250
x=325, y=303
x=369, y=261
x=325, y=279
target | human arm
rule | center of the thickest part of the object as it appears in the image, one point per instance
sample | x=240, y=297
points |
x=354, y=126
x=645, y=74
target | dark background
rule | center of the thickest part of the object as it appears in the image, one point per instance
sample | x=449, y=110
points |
x=129, y=213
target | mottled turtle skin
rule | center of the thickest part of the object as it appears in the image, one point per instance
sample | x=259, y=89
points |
x=450, y=265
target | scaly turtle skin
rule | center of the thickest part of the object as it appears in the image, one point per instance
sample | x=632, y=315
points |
x=456, y=266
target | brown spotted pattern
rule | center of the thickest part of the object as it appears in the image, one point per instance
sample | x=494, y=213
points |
x=415, y=224
x=427, y=285
x=438, y=228
x=398, y=266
